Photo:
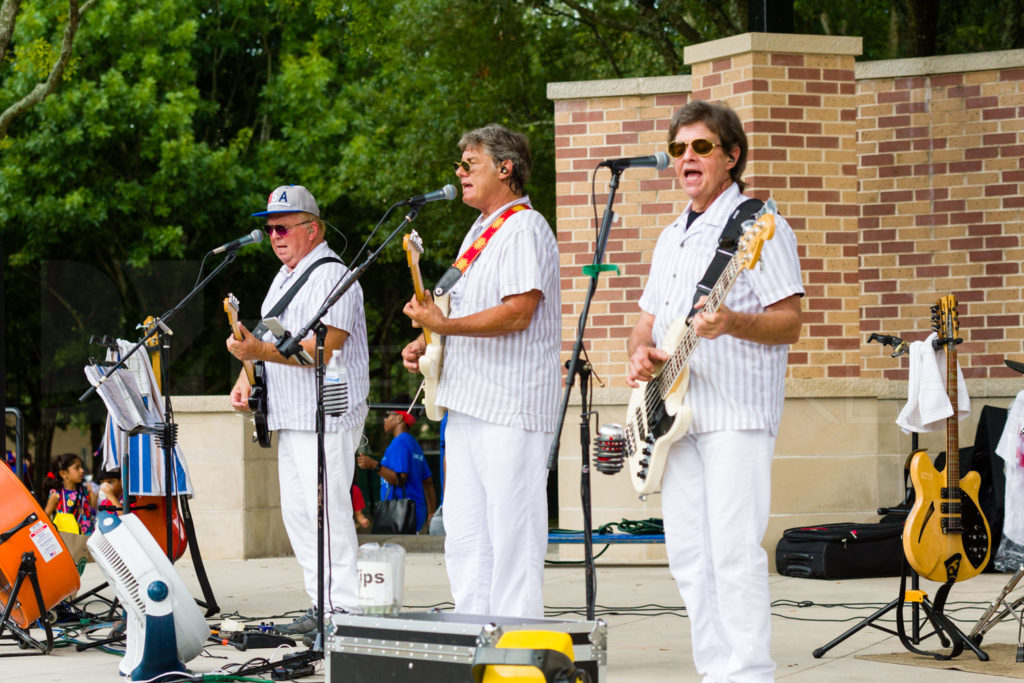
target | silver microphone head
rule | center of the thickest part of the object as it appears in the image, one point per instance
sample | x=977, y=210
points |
x=663, y=160
x=256, y=235
x=609, y=448
x=449, y=191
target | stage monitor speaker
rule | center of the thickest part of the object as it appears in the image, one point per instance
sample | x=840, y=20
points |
x=24, y=527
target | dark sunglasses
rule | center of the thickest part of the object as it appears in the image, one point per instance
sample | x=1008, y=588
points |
x=700, y=147
x=281, y=230
x=464, y=165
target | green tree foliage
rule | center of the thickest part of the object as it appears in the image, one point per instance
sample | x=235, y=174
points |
x=175, y=119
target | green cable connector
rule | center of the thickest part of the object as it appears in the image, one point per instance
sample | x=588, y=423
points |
x=593, y=270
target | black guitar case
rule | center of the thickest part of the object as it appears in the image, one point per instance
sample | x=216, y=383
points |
x=841, y=551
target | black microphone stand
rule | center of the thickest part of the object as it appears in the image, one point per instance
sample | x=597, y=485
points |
x=575, y=367
x=288, y=346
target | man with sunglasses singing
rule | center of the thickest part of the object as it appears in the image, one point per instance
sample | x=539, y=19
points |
x=717, y=477
x=309, y=273
x=500, y=382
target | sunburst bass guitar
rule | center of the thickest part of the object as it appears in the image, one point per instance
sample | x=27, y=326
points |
x=946, y=537
x=656, y=416
x=257, y=380
x=432, y=360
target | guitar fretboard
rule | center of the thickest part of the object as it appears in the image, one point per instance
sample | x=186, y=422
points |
x=681, y=356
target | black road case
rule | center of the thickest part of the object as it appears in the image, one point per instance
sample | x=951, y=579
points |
x=439, y=647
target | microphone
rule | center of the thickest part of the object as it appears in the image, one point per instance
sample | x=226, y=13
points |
x=446, y=192
x=252, y=238
x=609, y=448
x=659, y=161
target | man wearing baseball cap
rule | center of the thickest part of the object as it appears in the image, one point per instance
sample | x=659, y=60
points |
x=404, y=467
x=297, y=237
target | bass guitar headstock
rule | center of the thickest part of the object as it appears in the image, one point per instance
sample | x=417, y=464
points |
x=755, y=234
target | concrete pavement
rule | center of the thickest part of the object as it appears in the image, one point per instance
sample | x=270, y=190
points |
x=648, y=635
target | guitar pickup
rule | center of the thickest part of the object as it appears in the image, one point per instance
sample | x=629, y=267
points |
x=951, y=508
x=951, y=525
x=947, y=493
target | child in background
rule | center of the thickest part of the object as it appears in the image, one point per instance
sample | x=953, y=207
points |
x=68, y=494
x=110, y=490
x=358, y=505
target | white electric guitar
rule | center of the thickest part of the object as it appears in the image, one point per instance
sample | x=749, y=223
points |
x=432, y=360
x=656, y=416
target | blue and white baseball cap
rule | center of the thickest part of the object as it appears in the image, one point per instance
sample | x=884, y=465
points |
x=289, y=199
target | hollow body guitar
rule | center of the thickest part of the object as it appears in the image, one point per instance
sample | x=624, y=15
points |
x=946, y=537
x=656, y=416
x=257, y=380
x=432, y=361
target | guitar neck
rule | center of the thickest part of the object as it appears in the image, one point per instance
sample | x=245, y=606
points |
x=421, y=295
x=681, y=356
x=953, y=421
x=231, y=308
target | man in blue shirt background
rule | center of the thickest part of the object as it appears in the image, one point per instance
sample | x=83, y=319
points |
x=404, y=468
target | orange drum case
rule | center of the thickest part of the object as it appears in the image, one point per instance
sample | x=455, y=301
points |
x=58, y=577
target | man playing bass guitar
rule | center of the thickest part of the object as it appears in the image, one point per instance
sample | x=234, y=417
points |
x=717, y=477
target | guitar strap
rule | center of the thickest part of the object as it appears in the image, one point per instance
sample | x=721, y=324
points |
x=727, y=244
x=283, y=302
x=457, y=269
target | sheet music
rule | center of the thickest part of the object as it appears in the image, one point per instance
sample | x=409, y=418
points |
x=121, y=395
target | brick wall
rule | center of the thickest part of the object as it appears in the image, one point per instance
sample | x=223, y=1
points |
x=902, y=180
x=941, y=171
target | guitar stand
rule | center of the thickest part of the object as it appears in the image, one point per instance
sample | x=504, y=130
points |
x=27, y=569
x=942, y=626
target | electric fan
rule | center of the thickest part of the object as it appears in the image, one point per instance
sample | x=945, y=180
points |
x=165, y=626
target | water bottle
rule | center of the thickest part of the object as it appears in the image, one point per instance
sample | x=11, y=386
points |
x=381, y=570
x=335, y=385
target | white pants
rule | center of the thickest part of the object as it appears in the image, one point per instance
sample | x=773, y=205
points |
x=715, y=502
x=296, y=465
x=495, y=516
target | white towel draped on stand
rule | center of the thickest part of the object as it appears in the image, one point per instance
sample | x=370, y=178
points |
x=928, y=403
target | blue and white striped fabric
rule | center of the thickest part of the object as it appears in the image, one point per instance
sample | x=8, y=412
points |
x=139, y=455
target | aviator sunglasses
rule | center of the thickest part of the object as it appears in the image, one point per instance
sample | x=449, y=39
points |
x=700, y=147
x=281, y=230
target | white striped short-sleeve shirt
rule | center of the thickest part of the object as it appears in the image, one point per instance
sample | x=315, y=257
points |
x=291, y=389
x=734, y=384
x=513, y=379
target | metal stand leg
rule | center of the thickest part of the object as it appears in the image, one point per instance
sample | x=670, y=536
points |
x=25, y=640
x=990, y=618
